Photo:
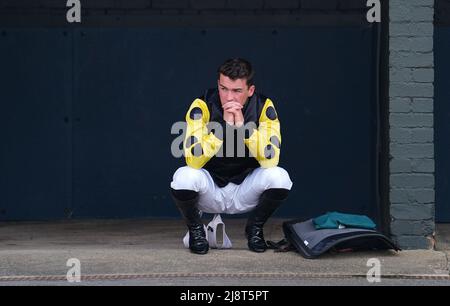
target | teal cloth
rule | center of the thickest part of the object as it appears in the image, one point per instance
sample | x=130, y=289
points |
x=334, y=219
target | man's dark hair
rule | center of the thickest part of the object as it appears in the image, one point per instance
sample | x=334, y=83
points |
x=237, y=68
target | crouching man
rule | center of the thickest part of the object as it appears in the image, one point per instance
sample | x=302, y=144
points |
x=218, y=178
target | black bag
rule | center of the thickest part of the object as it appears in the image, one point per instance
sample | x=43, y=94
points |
x=310, y=242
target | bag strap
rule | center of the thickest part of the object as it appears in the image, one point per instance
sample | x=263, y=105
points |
x=281, y=246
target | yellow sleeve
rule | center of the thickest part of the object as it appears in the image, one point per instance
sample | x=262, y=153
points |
x=199, y=146
x=264, y=143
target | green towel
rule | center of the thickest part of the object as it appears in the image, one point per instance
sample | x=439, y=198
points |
x=339, y=220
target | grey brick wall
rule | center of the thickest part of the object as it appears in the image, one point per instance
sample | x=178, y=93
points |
x=411, y=71
x=195, y=4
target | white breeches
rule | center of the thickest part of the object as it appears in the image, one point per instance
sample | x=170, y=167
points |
x=231, y=199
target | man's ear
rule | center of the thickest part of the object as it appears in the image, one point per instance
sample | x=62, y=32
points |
x=251, y=90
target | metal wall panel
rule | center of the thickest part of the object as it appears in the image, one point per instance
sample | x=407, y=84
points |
x=131, y=85
x=86, y=115
x=35, y=93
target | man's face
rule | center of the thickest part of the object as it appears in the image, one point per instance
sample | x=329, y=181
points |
x=234, y=91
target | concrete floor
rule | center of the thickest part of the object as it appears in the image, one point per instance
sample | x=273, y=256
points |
x=152, y=249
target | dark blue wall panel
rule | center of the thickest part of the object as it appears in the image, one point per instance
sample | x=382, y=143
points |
x=129, y=86
x=133, y=84
x=442, y=122
x=35, y=91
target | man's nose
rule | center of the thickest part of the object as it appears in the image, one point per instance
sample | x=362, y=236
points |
x=230, y=96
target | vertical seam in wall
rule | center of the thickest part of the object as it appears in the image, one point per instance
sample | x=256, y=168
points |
x=72, y=47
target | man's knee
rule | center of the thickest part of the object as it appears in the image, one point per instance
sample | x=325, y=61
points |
x=276, y=177
x=188, y=178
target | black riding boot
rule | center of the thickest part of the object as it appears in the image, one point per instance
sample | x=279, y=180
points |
x=269, y=201
x=186, y=201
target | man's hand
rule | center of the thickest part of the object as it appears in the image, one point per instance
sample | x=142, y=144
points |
x=232, y=113
x=228, y=117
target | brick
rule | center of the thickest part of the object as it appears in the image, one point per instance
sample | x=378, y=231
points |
x=442, y=4
x=399, y=13
x=247, y=4
x=419, y=90
x=442, y=17
x=171, y=12
x=217, y=12
x=414, y=242
x=208, y=4
x=400, y=165
x=423, y=196
x=400, y=75
x=98, y=4
x=423, y=165
x=412, y=150
x=415, y=44
x=319, y=5
x=112, y=12
x=170, y=4
x=422, y=105
x=412, y=196
x=412, y=3
x=54, y=3
x=399, y=105
x=399, y=196
x=400, y=135
x=411, y=29
x=423, y=75
x=411, y=120
x=412, y=211
x=422, y=135
x=412, y=180
x=416, y=228
x=138, y=13
x=93, y=12
x=352, y=4
x=26, y=4
x=422, y=14
x=133, y=4
x=411, y=59
x=282, y=4
x=410, y=13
